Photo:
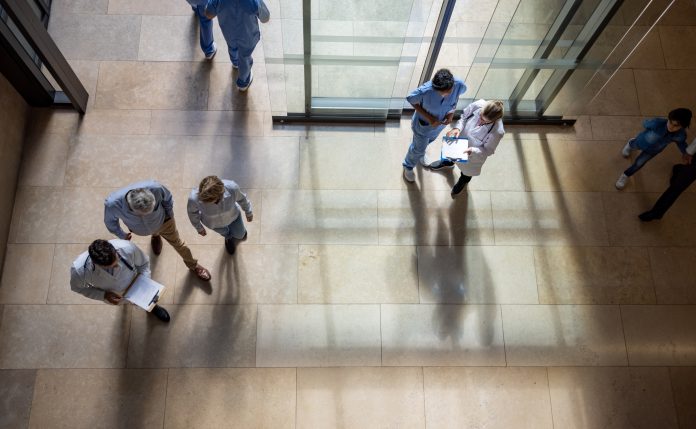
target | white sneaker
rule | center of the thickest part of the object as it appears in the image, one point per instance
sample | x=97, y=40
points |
x=626, y=151
x=621, y=183
x=211, y=55
x=425, y=161
x=251, y=79
x=409, y=175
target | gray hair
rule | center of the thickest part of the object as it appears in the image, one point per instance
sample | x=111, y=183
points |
x=141, y=200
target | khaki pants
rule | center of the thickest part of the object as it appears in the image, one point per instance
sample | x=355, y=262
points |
x=169, y=232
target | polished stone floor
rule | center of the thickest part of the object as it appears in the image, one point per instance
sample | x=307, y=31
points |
x=535, y=300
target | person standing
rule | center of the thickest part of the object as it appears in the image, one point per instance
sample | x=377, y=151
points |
x=658, y=133
x=107, y=268
x=239, y=23
x=683, y=175
x=208, y=45
x=216, y=204
x=147, y=208
x=482, y=124
x=434, y=103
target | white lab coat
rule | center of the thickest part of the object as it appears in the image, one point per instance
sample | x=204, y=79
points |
x=483, y=139
x=90, y=280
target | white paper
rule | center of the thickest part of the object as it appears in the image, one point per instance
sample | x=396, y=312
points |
x=455, y=149
x=143, y=292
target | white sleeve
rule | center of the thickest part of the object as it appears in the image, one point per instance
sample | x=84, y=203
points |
x=691, y=148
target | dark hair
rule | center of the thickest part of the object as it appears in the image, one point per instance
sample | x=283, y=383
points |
x=681, y=115
x=443, y=80
x=102, y=252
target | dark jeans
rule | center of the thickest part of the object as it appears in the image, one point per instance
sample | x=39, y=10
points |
x=682, y=177
x=639, y=163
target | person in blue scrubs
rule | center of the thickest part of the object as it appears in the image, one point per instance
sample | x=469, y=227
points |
x=208, y=45
x=240, y=25
x=434, y=102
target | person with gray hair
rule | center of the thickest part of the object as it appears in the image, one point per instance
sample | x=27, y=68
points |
x=147, y=208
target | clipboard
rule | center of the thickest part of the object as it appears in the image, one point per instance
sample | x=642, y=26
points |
x=454, y=149
x=144, y=292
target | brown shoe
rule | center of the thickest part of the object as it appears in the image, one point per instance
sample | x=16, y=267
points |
x=201, y=273
x=156, y=242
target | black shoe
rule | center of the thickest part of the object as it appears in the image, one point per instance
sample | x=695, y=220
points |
x=156, y=243
x=459, y=186
x=441, y=164
x=245, y=236
x=648, y=216
x=230, y=245
x=161, y=313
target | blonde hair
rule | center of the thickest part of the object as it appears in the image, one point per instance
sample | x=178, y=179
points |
x=211, y=189
x=493, y=110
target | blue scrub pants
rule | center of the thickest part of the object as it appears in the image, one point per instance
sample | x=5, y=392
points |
x=206, y=30
x=241, y=57
x=423, y=135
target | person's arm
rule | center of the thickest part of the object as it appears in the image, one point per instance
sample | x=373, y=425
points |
x=111, y=221
x=241, y=198
x=212, y=8
x=194, y=213
x=79, y=284
x=490, y=143
x=415, y=99
x=459, y=126
x=651, y=124
x=681, y=144
x=140, y=260
x=167, y=202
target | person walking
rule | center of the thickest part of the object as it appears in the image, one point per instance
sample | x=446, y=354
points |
x=658, y=133
x=107, y=268
x=434, y=103
x=216, y=205
x=147, y=208
x=205, y=27
x=239, y=23
x=482, y=124
x=683, y=175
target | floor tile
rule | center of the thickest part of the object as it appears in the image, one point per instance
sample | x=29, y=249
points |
x=616, y=127
x=35, y=218
x=548, y=218
x=678, y=53
x=244, y=160
x=433, y=218
x=660, y=334
x=52, y=121
x=26, y=273
x=673, y=271
x=208, y=123
x=649, y=53
x=477, y=275
x=360, y=397
x=143, y=157
x=173, y=38
x=155, y=85
x=44, y=160
x=17, y=390
x=683, y=383
x=318, y=335
x=255, y=274
x=611, y=398
x=64, y=336
x=109, y=398
x=319, y=217
x=487, y=397
x=206, y=397
x=555, y=335
x=594, y=275
x=659, y=91
x=82, y=215
x=357, y=274
x=100, y=37
x=117, y=122
x=197, y=336
x=153, y=7
x=224, y=94
x=87, y=7
x=620, y=96
x=448, y=335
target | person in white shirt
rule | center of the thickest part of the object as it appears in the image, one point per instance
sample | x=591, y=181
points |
x=683, y=175
x=107, y=268
x=216, y=205
x=482, y=124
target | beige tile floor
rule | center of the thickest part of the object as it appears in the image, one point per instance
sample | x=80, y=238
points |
x=538, y=300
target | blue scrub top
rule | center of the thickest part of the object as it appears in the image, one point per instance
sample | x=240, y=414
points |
x=433, y=102
x=238, y=20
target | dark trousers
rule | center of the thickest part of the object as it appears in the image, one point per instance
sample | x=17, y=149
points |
x=682, y=177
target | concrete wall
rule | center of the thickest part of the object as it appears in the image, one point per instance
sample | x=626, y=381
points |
x=14, y=113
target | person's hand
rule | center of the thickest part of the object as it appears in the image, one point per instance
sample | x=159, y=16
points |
x=687, y=158
x=469, y=150
x=112, y=298
x=128, y=236
x=454, y=132
x=250, y=217
x=202, y=232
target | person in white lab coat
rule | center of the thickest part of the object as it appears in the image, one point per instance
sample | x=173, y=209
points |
x=482, y=124
x=107, y=268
